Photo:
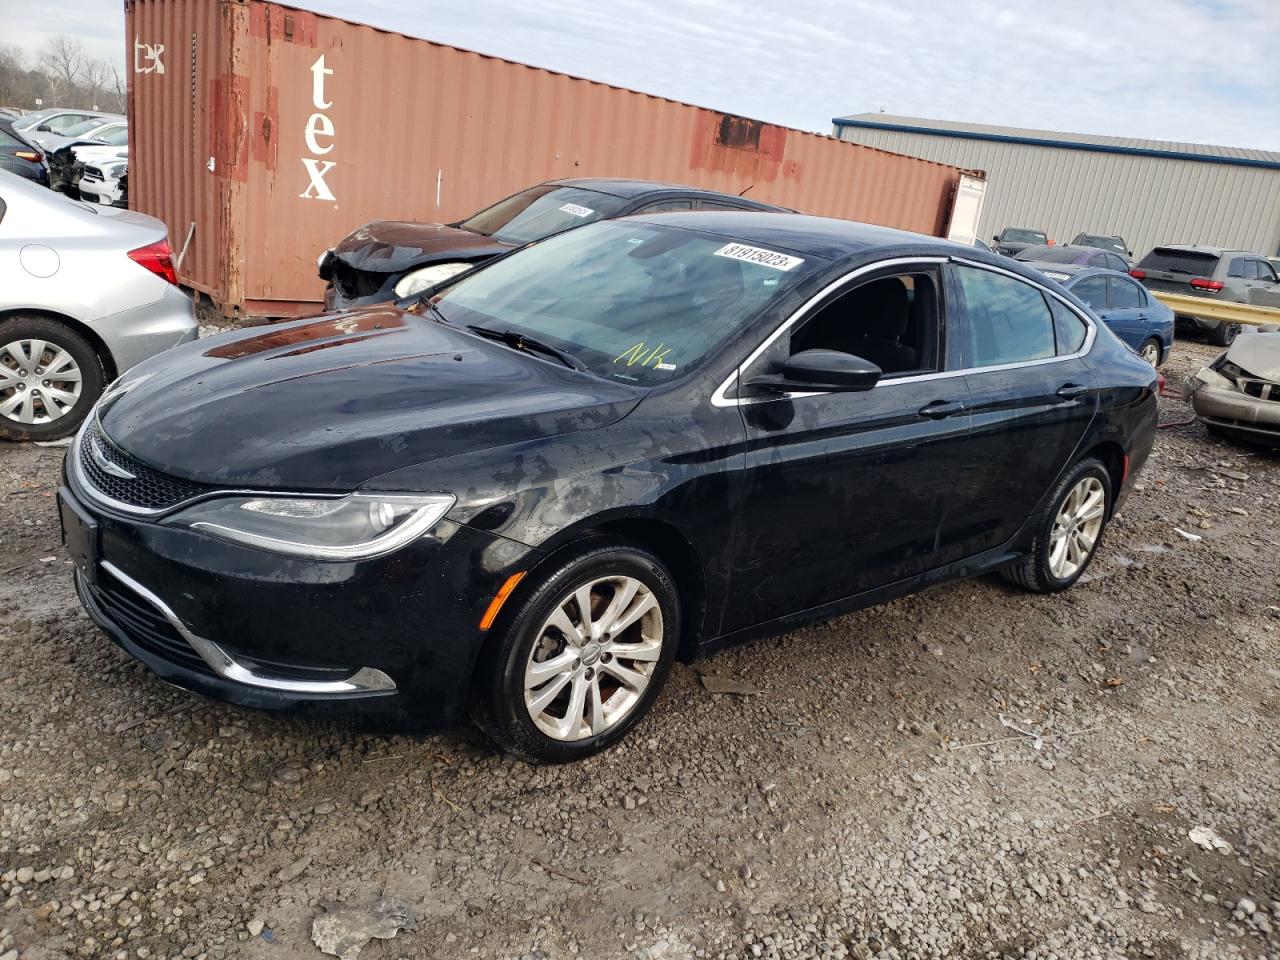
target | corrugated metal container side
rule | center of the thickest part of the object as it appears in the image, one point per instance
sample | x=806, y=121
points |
x=1148, y=200
x=276, y=131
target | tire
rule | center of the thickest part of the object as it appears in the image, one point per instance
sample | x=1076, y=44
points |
x=1224, y=334
x=26, y=398
x=1036, y=570
x=1151, y=351
x=507, y=702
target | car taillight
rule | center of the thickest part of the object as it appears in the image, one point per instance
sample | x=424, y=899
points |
x=27, y=155
x=1138, y=274
x=158, y=258
x=1203, y=283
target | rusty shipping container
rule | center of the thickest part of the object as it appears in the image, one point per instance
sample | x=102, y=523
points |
x=262, y=134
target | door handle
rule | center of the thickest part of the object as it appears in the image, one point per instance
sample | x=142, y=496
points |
x=940, y=409
x=1069, y=391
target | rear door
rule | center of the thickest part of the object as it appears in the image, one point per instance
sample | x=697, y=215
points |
x=1126, y=313
x=1031, y=397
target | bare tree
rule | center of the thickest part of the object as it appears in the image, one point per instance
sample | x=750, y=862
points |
x=96, y=79
x=64, y=59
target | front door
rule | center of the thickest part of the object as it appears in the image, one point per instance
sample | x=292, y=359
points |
x=846, y=492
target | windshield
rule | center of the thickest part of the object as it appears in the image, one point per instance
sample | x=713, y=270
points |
x=1018, y=235
x=29, y=120
x=541, y=211
x=632, y=301
x=1102, y=243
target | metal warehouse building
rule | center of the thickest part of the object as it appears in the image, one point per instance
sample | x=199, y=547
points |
x=1148, y=191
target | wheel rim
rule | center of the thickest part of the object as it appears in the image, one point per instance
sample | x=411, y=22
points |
x=1151, y=352
x=39, y=381
x=1076, y=528
x=593, y=659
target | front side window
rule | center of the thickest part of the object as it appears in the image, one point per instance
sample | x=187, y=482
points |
x=73, y=125
x=1093, y=291
x=632, y=301
x=1265, y=272
x=542, y=211
x=1125, y=295
x=1008, y=320
x=891, y=321
x=1098, y=260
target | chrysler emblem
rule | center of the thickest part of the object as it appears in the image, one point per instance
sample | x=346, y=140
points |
x=100, y=458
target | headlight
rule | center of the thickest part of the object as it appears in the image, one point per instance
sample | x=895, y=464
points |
x=419, y=280
x=353, y=527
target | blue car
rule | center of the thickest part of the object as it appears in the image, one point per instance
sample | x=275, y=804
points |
x=1122, y=303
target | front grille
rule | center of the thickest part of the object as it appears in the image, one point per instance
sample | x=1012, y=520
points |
x=144, y=624
x=146, y=488
x=1261, y=389
x=353, y=283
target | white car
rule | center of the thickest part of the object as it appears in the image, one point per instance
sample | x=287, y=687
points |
x=85, y=293
x=105, y=182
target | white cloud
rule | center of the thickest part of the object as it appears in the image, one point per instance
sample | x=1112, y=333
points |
x=1198, y=70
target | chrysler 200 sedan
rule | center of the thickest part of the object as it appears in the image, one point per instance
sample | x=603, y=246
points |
x=525, y=495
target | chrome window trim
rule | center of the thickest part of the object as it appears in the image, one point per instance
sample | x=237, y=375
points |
x=718, y=398
x=363, y=680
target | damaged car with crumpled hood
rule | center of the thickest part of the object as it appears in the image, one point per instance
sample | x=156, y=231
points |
x=389, y=259
x=1238, y=394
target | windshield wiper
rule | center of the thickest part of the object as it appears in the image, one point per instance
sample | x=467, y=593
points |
x=518, y=341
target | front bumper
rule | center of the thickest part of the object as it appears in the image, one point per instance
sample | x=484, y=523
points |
x=396, y=635
x=1231, y=409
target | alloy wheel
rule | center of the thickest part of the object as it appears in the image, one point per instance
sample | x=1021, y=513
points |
x=39, y=381
x=593, y=658
x=1151, y=352
x=1076, y=527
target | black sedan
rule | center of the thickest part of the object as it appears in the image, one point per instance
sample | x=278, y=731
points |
x=387, y=259
x=524, y=497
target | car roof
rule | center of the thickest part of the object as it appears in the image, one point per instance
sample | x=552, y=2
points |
x=1104, y=236
x=811, y=236
x=635, y=189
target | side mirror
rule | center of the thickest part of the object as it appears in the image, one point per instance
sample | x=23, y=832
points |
x=43, y=128
x=829, y=371
x=996, y=238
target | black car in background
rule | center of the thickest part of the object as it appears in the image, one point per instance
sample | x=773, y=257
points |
x=1013, y=240
x=1104, y=242
x=1073, y=254
x=386, y=259
x=523, y=496
x=19, y=155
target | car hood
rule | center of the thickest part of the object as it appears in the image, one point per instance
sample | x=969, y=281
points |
x=391, y=246
x=1259, y=353
x=330, y=402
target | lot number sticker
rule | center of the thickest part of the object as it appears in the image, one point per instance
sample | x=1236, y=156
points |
x=766, y=258
x=576, y=210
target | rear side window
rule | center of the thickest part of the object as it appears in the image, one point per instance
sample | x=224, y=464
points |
x=1068, y=329
x=1093, y=291
x=1190, y=262
x=115, y=136
x=666, y=206
x=1124, y=294
x=1117, y=263
x=1098, y=260
x=1236, y=268
x=1008, y=320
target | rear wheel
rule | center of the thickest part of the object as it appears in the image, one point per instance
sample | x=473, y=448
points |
x=1224, y=334
x=1068, y=530
x=583, y=656
x=1150, y=351
x=50, y=377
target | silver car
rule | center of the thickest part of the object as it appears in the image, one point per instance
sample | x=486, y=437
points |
x=1238, y=394
x=1214, y=273
x=86, y=292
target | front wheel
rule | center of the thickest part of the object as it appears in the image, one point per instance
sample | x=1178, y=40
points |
x=582, y=657
x=1067, y=531
x=50, y=377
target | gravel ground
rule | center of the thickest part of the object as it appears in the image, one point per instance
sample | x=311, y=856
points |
x=865, y=801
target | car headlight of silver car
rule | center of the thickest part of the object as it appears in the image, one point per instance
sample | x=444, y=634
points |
x=418, y=280
x=354, y=527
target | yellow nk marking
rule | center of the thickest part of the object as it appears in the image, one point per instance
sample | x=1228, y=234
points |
x=636, y=354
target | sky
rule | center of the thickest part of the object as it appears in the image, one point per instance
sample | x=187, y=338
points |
x=1187, y=70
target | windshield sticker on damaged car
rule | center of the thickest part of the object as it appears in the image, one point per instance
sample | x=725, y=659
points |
x=576, y=210
x=766, y=258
